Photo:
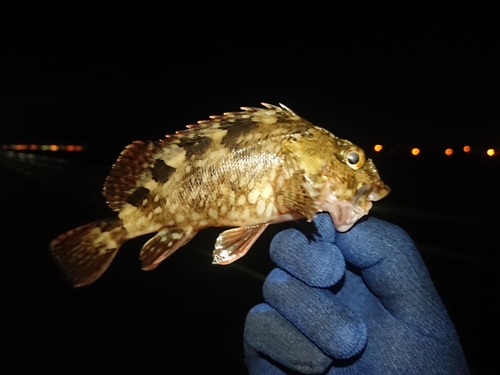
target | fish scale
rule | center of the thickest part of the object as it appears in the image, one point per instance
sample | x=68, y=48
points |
x=245, y=170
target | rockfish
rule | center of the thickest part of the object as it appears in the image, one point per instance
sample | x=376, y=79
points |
x=244, y=170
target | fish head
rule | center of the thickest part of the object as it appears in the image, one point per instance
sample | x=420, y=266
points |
x=352, y=183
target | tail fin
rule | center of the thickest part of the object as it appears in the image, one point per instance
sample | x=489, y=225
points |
x=84, y=253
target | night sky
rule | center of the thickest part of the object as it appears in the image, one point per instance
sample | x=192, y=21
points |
x=374, y=79
x=410, y=81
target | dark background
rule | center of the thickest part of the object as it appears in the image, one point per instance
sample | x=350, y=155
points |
x=426, y=82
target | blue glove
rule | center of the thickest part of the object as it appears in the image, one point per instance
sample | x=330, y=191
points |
x=359, y=302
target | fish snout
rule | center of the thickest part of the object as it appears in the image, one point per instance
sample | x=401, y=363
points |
x=369, y=193
x=345, y=213
x=378, y=190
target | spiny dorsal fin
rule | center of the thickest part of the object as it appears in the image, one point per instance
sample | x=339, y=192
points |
x=236, y=124
x=229, y=119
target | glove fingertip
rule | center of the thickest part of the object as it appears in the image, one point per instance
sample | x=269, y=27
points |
x=371, y=240
x=286, y=236
x=324, y=227
x=317, y=264
x=321, y=316
x=269, y=335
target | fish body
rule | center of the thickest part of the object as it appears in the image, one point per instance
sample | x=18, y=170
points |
x=245, y=170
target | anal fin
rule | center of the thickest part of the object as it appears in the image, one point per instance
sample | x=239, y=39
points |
x=164, y=244
x=234, y=243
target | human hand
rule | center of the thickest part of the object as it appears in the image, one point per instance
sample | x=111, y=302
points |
x=359, y=302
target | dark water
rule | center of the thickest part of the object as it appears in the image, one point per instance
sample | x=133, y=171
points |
x=152, y=321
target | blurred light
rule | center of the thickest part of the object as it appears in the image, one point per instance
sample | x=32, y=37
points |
x=466, y=148
x=415, y=151
x=490, y=152
x=448, y=151
x=34, y=147
x=377, y=148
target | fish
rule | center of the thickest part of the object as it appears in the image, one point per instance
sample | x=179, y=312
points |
x=243, y=170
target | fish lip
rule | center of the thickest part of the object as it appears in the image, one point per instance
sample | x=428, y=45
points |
x=378, y=191
x=373, y=192
x=345, y=214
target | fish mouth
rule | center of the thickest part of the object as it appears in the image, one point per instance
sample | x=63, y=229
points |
x=371, y=192
x=346, y=213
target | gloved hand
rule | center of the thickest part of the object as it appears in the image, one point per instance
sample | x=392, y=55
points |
x=359, y=302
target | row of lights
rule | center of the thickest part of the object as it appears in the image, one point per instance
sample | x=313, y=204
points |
x=449, y=151
x=77, y=148
x=33, y=147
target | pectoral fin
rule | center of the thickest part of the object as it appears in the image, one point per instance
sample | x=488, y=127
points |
x=300, y=196
x=164, y=244
x=232, y=244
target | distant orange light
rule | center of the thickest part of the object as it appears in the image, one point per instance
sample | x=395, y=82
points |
x=466, y=148
x=20, y=147
x=448, y=151
x=70, y=148
x=415, y=151
x=33, y=147
x=490, y=152
x=377, y=148
x=54, y=147
x=78, y=148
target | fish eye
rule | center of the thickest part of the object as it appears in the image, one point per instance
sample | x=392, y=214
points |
x=354, y=157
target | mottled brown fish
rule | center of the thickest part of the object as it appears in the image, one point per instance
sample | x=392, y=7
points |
x=245, y=170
